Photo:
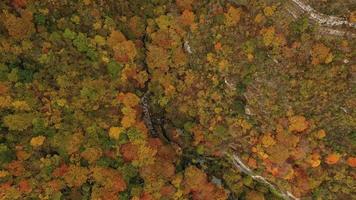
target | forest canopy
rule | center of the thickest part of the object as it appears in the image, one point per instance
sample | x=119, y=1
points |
x=176, y=100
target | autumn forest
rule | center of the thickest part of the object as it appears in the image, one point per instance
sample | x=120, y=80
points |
x=177, y=99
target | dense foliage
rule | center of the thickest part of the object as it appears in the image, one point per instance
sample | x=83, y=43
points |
x=145, y=100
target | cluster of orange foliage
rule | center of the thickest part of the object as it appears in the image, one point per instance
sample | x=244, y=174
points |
x=19, y=27
x=130, y=102
x=321, y=54
x=196, y=182
x=288, y=154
